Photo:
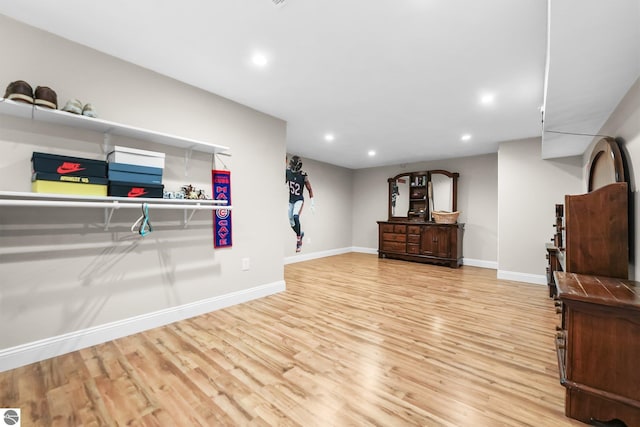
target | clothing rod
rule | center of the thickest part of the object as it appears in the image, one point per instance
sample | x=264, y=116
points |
x=109, y=205
x=10, y=195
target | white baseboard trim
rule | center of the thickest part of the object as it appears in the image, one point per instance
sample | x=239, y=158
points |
x=372, y=251
x=480, y=263
x=538, y=279
x=315, y=255
x=36, y=351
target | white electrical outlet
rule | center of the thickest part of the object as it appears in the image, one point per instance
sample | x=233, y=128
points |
x=246, y=263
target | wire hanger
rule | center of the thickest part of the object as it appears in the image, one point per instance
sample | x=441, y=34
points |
x=143, y=225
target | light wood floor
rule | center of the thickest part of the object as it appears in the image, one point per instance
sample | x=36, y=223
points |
x=354, y=341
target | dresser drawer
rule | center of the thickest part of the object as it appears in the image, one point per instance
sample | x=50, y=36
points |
x=413, y=248
x=394, y=246
x=394, y=228
x=386, y=228
x=413, y=238
x=393, y=237
x=414, y=229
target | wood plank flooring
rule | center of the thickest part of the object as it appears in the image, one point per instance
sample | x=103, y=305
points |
x=354, y=341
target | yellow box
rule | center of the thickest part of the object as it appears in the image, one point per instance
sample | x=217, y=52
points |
x=57, y=187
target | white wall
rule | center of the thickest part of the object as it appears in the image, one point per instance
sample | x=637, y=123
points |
x=624, y=123
x=60, y=272
x=328, y=229
x=528, y=190
x=477, y=203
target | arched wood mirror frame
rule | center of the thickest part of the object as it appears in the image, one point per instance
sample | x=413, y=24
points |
x=606, y=165
x=411, y=194
x=399, y=187
x=453, y=176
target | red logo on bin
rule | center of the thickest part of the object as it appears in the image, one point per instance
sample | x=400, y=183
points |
x=136, y=192
x=69, y=167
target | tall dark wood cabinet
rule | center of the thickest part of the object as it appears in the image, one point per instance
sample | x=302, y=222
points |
x=598, y=338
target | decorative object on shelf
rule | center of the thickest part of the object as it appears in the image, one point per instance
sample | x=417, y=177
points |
x=178, y=195
x=190, y=192
x=19, y=91
x=442, y=217
x=221, y=183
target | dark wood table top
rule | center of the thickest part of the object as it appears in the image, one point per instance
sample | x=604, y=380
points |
x=598, y=289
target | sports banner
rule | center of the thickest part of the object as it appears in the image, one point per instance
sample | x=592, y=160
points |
x=221, y=182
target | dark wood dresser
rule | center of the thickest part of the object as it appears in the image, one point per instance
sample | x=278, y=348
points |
x=598, y=341
x=598, y=347
x=421, y=241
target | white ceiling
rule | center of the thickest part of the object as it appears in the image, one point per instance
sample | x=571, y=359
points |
x=401, y=77
x=594, y=60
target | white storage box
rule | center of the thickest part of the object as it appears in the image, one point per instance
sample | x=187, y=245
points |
x=135, y=156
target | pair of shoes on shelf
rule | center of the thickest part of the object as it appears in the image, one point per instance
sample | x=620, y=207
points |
x=21, y=91
x=75, y=106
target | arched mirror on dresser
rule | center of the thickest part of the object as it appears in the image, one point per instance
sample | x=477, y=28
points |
x=444, y=191
x=422, y=218
x=606, y=165
x=399, y=187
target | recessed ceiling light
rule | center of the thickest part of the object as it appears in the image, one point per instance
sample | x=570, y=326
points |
x=487, y=98
x=259, y=59
x=371, y=153
x=465, y=137
x=329, y=137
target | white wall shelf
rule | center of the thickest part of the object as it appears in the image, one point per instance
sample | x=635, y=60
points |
x=47, y=115
x=107, y=128
x=109, y=203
